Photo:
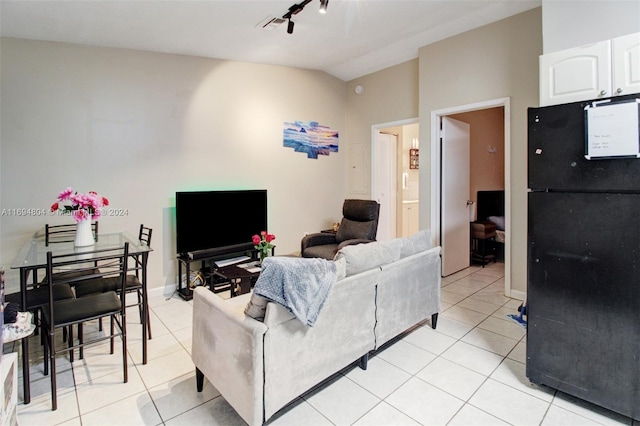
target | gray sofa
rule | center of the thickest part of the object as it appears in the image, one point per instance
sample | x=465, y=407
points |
x=383, y=289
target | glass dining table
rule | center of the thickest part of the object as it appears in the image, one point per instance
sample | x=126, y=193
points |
x=32, y=257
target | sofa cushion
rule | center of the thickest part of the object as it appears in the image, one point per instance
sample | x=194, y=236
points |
x=420, y=241
x=363, y=257
x=341, y=267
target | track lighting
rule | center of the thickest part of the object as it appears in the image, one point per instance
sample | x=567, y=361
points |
x=323, y=6
x=297, y=8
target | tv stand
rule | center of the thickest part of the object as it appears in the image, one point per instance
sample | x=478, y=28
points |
x=207, y=268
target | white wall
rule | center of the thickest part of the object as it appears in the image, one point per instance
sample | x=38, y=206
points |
x=572, y=23
x=137, y=127
x=389, y=96
x=492, y=62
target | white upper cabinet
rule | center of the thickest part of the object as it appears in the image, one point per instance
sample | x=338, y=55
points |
x=576, y=74
x=626, y=64
x=599, y=70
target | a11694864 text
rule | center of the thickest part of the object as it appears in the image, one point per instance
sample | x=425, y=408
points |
x=33, y=211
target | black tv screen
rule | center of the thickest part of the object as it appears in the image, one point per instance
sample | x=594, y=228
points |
x=216, y=219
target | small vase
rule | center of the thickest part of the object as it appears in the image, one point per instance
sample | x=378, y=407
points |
x=84, y=234
x=263, y=255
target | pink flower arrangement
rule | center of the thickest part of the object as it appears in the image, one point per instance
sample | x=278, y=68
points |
x=262, y=243
x=82, y=206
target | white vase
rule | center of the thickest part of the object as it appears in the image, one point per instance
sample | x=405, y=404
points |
x=84, y=234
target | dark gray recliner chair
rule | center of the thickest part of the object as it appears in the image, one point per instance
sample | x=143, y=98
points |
x=359, y=225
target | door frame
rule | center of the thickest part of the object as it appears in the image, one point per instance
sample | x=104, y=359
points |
x=374, y=152
x=436, y=174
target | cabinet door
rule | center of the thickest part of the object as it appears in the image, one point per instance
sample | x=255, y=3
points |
x=626, y=64
x=576, y=74
x=414, y=218
x=410, y=219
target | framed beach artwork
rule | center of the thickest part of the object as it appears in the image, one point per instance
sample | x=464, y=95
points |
x=310, y=137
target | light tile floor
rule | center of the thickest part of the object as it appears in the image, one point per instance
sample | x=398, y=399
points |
x=470, y=371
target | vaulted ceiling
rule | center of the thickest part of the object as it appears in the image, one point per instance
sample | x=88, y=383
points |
x=354, y=37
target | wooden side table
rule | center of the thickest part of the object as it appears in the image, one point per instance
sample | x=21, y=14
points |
x=240, y=279
x=481, y=234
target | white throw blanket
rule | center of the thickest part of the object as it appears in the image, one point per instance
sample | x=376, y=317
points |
x=301, y=285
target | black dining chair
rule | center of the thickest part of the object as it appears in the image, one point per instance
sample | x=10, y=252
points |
x=133, y=283
x=65, y=233
x=37, y=297
x=59, y=314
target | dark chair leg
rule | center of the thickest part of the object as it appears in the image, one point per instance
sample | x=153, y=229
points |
x=140, y=304
x=364, y=360
x=70, y=342
x=148, y=323
x=52, y=361
x=112, y=342
x=199, y=380
x=124, y=349
x=46, y=353
x=434, y=320
x=148, y=316
x=81, y=340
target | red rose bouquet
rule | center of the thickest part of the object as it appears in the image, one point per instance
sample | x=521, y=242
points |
x=262, y=243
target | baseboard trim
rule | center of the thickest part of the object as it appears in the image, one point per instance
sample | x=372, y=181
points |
x=517, y=294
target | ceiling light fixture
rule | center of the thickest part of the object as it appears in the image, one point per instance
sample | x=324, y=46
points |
x=297, y=8
x=323, y=6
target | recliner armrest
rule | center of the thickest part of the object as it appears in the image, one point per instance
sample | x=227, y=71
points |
x=353, y=242
x=317, y=239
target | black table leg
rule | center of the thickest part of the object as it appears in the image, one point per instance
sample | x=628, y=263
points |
x=145, y=307
x=26, y=384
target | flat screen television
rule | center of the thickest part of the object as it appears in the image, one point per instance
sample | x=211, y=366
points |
x=207, y=220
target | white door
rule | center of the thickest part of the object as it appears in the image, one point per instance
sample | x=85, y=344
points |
x=384, y=190
x=455, y=228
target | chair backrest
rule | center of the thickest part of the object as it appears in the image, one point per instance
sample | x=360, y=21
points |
x=65, y=233
x=360, y=220
x=77, y=267
x=145, y=235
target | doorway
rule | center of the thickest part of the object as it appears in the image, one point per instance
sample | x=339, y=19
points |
x=394, y=180
x=436, y=172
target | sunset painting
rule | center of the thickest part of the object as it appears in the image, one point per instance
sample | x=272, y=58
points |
x=311, y=138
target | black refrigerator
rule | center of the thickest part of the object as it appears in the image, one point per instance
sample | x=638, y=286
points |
x=583, y=283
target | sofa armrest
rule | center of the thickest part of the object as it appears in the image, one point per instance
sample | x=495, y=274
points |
x=228, y=349
x=317, y=239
